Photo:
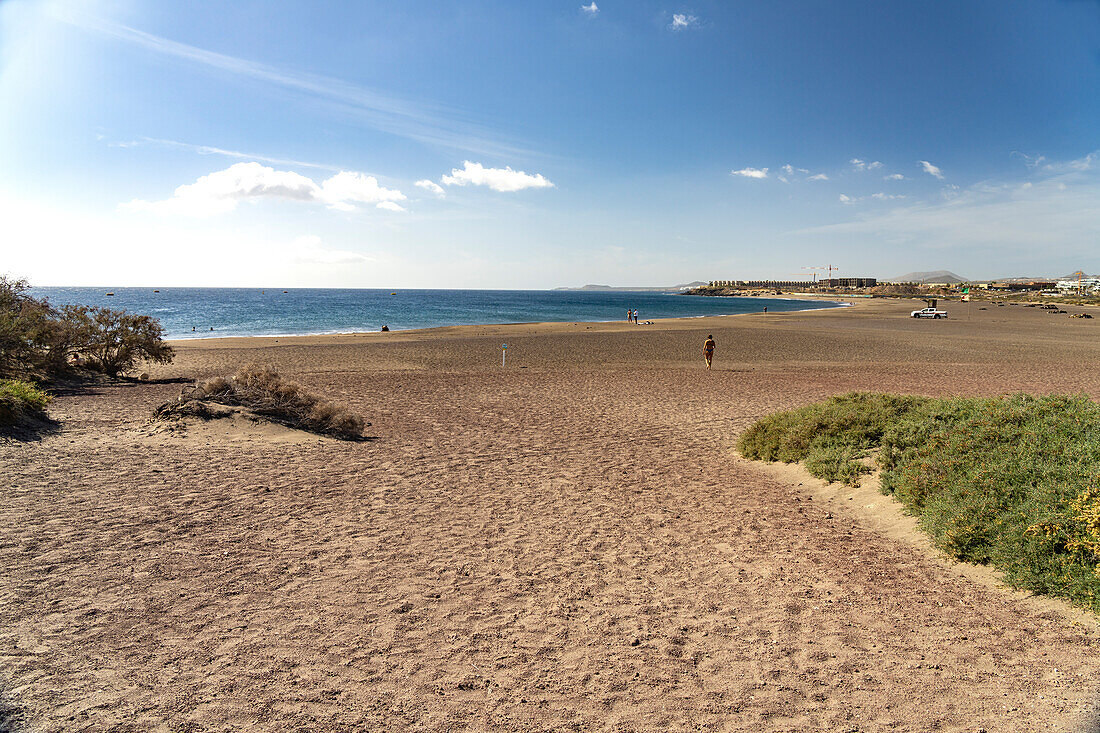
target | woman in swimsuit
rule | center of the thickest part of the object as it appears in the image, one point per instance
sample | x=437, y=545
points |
x=708, y=350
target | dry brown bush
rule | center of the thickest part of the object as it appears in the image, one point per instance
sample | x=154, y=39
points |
x=263, y=391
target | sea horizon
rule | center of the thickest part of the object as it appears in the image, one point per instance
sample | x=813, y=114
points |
x=193, y=313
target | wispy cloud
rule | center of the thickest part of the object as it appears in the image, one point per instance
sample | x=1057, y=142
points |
x=309, y=250
x=1057, y=213
x=1031, y=161
x=861, y=165
x=789, y=172
x=880, y=196
x=431, y=186
x=590, y=9
x=751, y=173
x=209, y=150
x=504, y=179
x=220, y=192
x=931, y=169
x=894, y=177
x=423, y=122
x=683, y=21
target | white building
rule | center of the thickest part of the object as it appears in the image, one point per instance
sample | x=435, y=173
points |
x=1086, y=284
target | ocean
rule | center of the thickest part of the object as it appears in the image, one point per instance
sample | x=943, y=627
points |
x=211, y=312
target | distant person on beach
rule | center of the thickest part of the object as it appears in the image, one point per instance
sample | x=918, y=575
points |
x=629, y=315
x=765, y=309
x=635, y=316
x=708, y=350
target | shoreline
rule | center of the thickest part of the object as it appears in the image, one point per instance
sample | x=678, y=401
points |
x=841, y=305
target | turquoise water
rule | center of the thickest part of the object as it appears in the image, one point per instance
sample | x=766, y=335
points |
x=257, y=312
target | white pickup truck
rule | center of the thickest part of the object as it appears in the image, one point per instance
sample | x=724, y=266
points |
x=929, y=313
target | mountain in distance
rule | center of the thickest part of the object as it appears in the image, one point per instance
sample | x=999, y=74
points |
x=936, y=276
x=671, y=289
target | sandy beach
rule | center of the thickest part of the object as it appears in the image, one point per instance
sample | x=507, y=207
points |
x=569, y=542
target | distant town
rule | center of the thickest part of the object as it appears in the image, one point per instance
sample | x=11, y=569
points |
x=940, y=283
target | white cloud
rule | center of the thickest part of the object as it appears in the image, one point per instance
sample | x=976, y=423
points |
x=220, y=192
x=682, y=21
x=590, y=9
x=894, y=177
x=790, y=170
x=861, y=165
x=930, y=169
x=783, y=179
x=751, y=173
x=1082, y=164
x=887, y=196
x=1031, y=161
x=845, y=199
x=391, y=206
x=308, y=249
x=504, y=179
x=431, y=186
x=1055, y=217
x=346, y=187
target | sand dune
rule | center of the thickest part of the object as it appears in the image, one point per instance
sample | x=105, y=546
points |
x=566, y=543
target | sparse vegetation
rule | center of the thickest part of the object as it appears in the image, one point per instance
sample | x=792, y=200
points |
x=19, y=399
x=113, y=341
x=1011, y=481
x=264, y=392
x=38, y=340
x=32, y=338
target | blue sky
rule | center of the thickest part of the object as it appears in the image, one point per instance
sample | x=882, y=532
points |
x=538, y=144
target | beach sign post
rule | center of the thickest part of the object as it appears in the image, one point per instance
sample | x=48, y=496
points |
x=503, y=353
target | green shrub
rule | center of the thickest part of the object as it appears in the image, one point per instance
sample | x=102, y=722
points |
x=38, y=340
x=1011, y=481
x=113, y=341
x=831, y=436
x=30, y=332
x=18, y=398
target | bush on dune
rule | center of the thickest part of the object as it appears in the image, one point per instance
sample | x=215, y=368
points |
x=263, y=391
x=113, y=341
x=20, y=399
x=1011, y=481
x=831, y=436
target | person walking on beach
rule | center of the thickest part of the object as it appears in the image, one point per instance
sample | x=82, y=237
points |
x=708, y=350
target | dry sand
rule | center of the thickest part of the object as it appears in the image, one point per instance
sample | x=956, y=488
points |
x=566, y=543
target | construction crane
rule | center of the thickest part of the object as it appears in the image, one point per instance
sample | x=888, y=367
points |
x=827, y=268
x=1079, y=275
x=815, y=269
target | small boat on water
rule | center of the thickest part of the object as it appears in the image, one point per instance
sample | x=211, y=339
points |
x=393, y=293
x=111, y=293
x=156, y=291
